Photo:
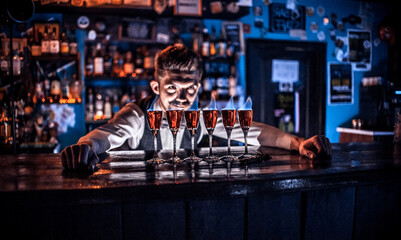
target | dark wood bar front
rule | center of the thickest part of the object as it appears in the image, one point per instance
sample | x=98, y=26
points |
x=355, y=195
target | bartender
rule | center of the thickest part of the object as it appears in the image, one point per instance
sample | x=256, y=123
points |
x=178, y=72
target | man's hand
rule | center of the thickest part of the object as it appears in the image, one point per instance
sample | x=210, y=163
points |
x=79, y=157
x=314, y=147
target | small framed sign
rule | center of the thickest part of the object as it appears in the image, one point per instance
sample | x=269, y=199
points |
x=360, y=49
x=282, y=19
x=138, y=3
x=341, y=89
x=137, y=30
x=188, y=7
x=233, y=31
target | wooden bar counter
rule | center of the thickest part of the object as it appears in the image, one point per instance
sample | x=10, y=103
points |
x=355, y=195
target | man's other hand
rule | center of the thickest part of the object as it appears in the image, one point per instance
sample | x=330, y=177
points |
x=313, y=148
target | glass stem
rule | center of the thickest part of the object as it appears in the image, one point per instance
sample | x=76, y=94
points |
x=155, y=143
x=210, y=142
x=174, y=145
x=193, y=143
x=246, y=139
x=229, y=140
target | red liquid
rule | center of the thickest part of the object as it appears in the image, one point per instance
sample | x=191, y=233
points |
x=229, y=117
x=192, y=118
x=210, y=118
x=174, y=118
x=155, y=119
x=245, y=118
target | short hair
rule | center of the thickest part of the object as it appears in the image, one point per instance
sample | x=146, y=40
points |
x=177, y=59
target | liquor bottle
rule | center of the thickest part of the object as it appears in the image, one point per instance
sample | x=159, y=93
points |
x=54, y=43
x=65, y=86
x=128, y=64
x=196, y=39
x=75, y=88
x=73, y=44
x=45, y=44
x=205, y=43
x=108, y=113
x=108, y=62
x=99, y=105
x=149, y=59
x=222, y=45
x=116, y=105
x=98, y=62
x=90, y=110
x=64, y=44
x=4, y=64
x=46, y=85
x=39, y=89
x=139, y=59
x=55, y=88
x=16, y=64
x=89, y=62
x=36, y=48
x=212, y=42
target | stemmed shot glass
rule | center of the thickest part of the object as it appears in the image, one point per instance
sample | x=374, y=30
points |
x=210, y=115
x=192, y=119
x=155, y=121
x=229, y=114
x=174, y=122
x=245, y=115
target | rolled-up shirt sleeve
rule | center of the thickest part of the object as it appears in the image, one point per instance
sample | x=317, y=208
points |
x=126, y=126
x=258, y=134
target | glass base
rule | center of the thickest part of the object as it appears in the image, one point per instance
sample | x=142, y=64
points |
x=192, y=159
x=211, y=159
x=155, y=161
x=229, y=158
x=245, y=157
x=174, y=160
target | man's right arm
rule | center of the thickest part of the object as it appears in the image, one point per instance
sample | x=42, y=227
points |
x=126, y=124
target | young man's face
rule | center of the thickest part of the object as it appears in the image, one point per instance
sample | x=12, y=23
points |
x=177, y=90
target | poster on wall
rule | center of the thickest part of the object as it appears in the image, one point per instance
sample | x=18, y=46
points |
x=360, y=49
x=340, y=84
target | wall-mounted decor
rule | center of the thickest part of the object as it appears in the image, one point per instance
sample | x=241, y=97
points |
x=188, y=7
x=360, y=49
x=233, y=31
x=282, y=19
x=137, y=30
x=340, y=83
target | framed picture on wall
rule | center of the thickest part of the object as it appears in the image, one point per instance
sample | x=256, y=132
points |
x=340, y=85
x=188, y=7
x=360, y=49
x=137, y=30
x=232, y=31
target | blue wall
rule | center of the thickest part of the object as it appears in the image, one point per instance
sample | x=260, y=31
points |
x=335, y=114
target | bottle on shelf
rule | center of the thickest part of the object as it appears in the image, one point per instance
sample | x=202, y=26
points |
x=212, y=42
x=36, y=48
x=89, y=62
x=108, y=62
x=65, y=86
x=116, y=105
x=98, y=62
x=45, y=44
x=64, y=44
x=39, y=88
x=4, y=63
x=55, y=88
x=5, y=126
x=54, y=43
x=16, y=64
x=90, y=106
x=221, y=45
x=99, y=105
x=139, y=60
x=46, y=85
x=205, y=43
x=73, y=44
x=75, y=88
x=196, y=39
x=108, y=113
x=128, y=64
